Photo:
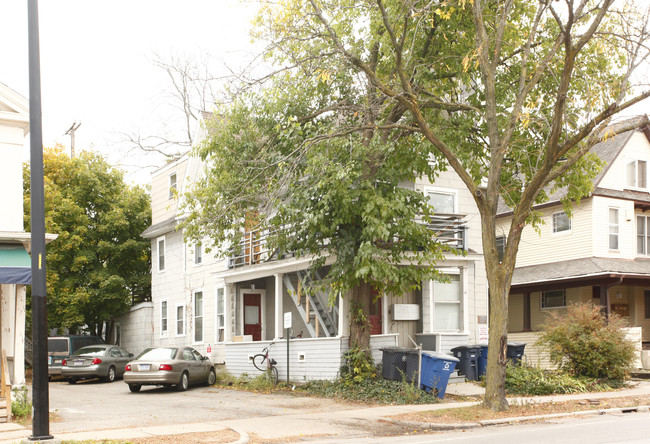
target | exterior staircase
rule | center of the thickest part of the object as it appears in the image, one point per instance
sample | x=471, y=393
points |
x=5, y=390
x=313, y=306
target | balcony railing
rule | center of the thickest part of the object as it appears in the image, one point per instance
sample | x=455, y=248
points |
x=253, y=248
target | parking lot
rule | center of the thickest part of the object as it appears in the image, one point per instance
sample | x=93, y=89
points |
x=94, y=405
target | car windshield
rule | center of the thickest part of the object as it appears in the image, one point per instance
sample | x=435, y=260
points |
x=158, y=354
x=90, y=351
x=57, y=345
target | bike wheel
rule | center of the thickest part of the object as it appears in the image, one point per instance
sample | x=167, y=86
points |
x=273, y=374
x=259, y=361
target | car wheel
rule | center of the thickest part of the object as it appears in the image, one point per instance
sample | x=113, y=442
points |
x=135, y=388
x=110, y=376
x=212, y=377
x=184, y=383
x=72, y=381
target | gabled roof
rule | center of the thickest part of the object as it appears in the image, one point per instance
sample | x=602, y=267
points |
x=607, y=150
x=14, y=108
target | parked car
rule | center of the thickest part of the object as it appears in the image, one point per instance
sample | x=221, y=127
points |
x=96, y=361
x=61, y=347
x=168, y=366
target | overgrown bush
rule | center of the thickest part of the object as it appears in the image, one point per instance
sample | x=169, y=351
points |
x=359, y=366
x=21, y=406
x=584, y=342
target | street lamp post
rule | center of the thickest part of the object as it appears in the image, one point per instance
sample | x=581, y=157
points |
x=40, y=395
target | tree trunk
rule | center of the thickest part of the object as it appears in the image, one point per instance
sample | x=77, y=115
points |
x=359, y=323
x=495, y=388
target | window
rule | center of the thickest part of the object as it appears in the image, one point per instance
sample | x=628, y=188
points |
x=163, y=319
x=501, y=247
x=172, y=185
x=446, y=304
x=221, y=306
x=646, y=300
x=561, y=222
x=180, y=320
x=442, y=201
x=637, y=174
x=613, y=228
x=198, y=253
x=643, y=235
x=554, y=299
x=161, y=254
x=198, y=316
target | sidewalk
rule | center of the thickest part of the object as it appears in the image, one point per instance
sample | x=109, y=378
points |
x=336, y=424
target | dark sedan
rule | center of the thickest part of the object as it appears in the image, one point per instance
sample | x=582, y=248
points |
x=103, y=361
x=167, y=366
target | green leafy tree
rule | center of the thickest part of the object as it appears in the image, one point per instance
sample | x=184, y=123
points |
x=98, y=265
x=510, y=95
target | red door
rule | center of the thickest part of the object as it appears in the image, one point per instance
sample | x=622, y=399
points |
x=253, y=316
x=374, y=316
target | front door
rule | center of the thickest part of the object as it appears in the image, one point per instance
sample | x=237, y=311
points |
x=253, y=315
x=374, y=316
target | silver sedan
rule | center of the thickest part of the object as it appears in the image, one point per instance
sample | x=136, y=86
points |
x=103, y=361
x=167, y=366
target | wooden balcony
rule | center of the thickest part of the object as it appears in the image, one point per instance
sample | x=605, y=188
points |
x=253, y=248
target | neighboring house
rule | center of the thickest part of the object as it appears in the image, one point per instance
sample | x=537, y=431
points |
x=15, y=263
x=600, y=254
x=231, y=308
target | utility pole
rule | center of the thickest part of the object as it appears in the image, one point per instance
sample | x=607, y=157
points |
x=75, y=126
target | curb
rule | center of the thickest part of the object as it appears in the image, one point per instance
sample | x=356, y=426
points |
x=489, y=422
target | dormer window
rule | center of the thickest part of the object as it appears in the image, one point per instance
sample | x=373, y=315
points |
x=172, y=185
x=637, y=174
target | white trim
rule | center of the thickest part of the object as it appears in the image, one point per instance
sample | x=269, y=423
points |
x=176, y=334
x=240, y=315
x=164, y=240
x=194, y=292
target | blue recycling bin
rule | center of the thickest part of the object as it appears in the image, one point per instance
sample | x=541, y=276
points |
x=435, y=372
x=482, y=360
x=468, y=360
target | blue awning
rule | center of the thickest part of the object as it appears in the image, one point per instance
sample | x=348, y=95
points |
x=15, y=265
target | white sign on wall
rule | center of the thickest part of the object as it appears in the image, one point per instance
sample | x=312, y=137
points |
x=483, y=333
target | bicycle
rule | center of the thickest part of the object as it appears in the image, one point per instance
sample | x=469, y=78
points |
x=263, y=363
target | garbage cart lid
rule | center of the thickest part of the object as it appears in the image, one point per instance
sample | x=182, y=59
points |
x=441, y=356
x=516, y=344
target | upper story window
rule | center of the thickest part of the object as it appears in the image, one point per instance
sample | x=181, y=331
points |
x=161, y=254
x=553, y=299
x=613, y=228
x=643, y=235
x=198, y=254
x=501, y=247
x=172, y=185
x=442, y=201
x=637, y=174
x=561, y=222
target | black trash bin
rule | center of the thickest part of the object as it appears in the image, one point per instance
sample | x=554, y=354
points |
x=468, y=356
x=515, y=352
x=398, y=361
x=482, y=360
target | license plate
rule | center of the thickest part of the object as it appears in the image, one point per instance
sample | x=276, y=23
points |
x=144, y=367
x=78, y=363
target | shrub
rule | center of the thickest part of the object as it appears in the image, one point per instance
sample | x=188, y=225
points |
x=527, y=380
x=585, y=342
x=359, y=366
x=21, y=406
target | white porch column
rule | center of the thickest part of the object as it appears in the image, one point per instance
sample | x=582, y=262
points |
x=6, y=318
x=19, y=337
x=344, y=314
x=229, y=311
x=279, y=309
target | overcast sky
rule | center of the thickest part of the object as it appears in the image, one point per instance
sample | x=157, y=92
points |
x=97, y=69
x=96, y=60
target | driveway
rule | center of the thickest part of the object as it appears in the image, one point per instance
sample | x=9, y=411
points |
x=93, y=405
